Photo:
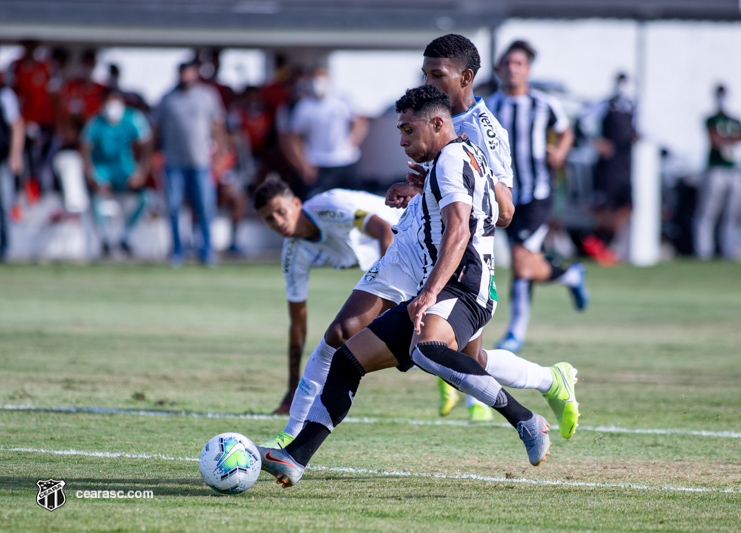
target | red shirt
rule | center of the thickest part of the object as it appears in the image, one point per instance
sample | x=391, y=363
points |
x=31, y=84
x=81, y=98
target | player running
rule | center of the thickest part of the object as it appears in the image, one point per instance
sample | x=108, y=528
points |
x=338, y=229
x=457, y=296
x=529, y=116
x=451, y=61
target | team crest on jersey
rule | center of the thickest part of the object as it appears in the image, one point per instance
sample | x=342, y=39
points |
x=371, y=274
x=330, y=214
x=51, y=495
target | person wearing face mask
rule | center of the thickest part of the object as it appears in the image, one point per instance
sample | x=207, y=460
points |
x=190, y=122
x=613, y=129
x=325, y=138
x=720, y=195
x=108, y=144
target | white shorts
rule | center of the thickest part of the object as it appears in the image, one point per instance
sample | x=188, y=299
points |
x=388, y=279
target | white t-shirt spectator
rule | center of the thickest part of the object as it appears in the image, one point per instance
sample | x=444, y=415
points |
x=10, y=108
x=325, y=125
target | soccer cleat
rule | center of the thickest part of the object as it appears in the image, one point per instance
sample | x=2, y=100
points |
x=510, y=343
x=448, y=397
x=480, y=413
x=280, y=464
x=561, y=397
x=534, y=434
x=281, y=440
x=580, y=292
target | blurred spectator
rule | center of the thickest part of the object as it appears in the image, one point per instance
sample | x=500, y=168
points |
x=131, y=99
x=30, y=79
x=189, y=119
x=12, y=137
x=80, y=98
x=325, y=136
x=721, y=192
x=613, y=130
x=107, y=146
x=209, y=65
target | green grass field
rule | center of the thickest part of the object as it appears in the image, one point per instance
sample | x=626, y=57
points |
x=659, y=349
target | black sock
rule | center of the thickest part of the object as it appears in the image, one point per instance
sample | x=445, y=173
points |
x=511, y=409
x=337, y=396
x=556, y=269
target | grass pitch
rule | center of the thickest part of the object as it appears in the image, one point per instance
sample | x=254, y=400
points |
x=657, y=350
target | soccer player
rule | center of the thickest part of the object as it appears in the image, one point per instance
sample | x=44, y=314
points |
x=457, y=297
x=451, y=62
x=339, y=229
x=529, y=116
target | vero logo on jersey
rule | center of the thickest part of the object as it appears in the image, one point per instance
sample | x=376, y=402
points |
x=330, y=214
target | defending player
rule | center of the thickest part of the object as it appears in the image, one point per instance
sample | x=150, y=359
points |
x=450, y=62
x=457, y=296
x=338, y=229
x=529, y=116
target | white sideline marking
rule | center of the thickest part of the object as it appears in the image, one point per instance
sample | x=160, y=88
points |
x=353, y=420
x=349, y=470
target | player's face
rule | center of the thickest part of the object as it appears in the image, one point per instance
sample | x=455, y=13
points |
x=514, y=68
x=417, y=136
x=282, y=214
x=442, y=73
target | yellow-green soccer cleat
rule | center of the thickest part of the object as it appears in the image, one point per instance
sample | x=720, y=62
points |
x=562, y=398
x=281, y=440
x=480, y=413
x=448, y=397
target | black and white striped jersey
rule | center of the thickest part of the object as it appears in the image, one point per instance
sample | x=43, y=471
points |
x=483, y=130
x=461, y=173
x=528, y=118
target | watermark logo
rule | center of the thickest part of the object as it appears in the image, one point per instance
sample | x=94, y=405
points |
x=51, y=495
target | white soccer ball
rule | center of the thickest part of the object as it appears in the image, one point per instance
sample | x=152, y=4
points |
x=230, y=463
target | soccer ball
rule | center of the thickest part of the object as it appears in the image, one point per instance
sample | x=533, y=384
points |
x=230, y=463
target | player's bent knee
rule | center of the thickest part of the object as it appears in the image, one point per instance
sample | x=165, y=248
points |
x=341, y=331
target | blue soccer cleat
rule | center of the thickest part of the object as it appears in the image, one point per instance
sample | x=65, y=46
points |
x=280, y=464
x=510, y=343
x=534, y=434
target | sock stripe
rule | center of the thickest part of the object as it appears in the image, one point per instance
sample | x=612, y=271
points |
x=347, y=353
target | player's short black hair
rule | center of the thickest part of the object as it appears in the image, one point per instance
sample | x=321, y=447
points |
x=424, y=99
x=455, y=47
x=268, y=190
x=522, y=46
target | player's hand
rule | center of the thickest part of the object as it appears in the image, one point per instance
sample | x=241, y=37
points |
x=15, y=163
x=418, y=307
x=604, y=147
x=417, y=174
x=400, y=193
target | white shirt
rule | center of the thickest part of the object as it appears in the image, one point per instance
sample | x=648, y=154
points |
x=325, y=125
x=341, y=216
x=10, y=108
x=485, y=131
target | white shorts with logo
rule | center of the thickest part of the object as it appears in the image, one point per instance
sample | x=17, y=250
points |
x=389, y=279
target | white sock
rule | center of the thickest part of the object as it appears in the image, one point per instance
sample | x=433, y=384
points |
x=310, y=386
x=572, y=276
x=513, y=371
x=520, y=308
x=471, y=401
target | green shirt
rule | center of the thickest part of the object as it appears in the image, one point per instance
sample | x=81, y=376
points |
x=725, y=126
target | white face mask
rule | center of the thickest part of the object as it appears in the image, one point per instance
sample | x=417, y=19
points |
x=113, y=111
x=320, y=86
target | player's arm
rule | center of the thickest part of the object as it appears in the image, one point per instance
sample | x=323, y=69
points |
x=506, y=206
x=557, y=152
x=380, y=230
x=455, y=237
x=296, y=340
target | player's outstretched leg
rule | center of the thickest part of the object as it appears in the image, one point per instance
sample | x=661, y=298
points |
x=556, y=383
x=310, y=385
x=468, y=376
x=327, y=411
